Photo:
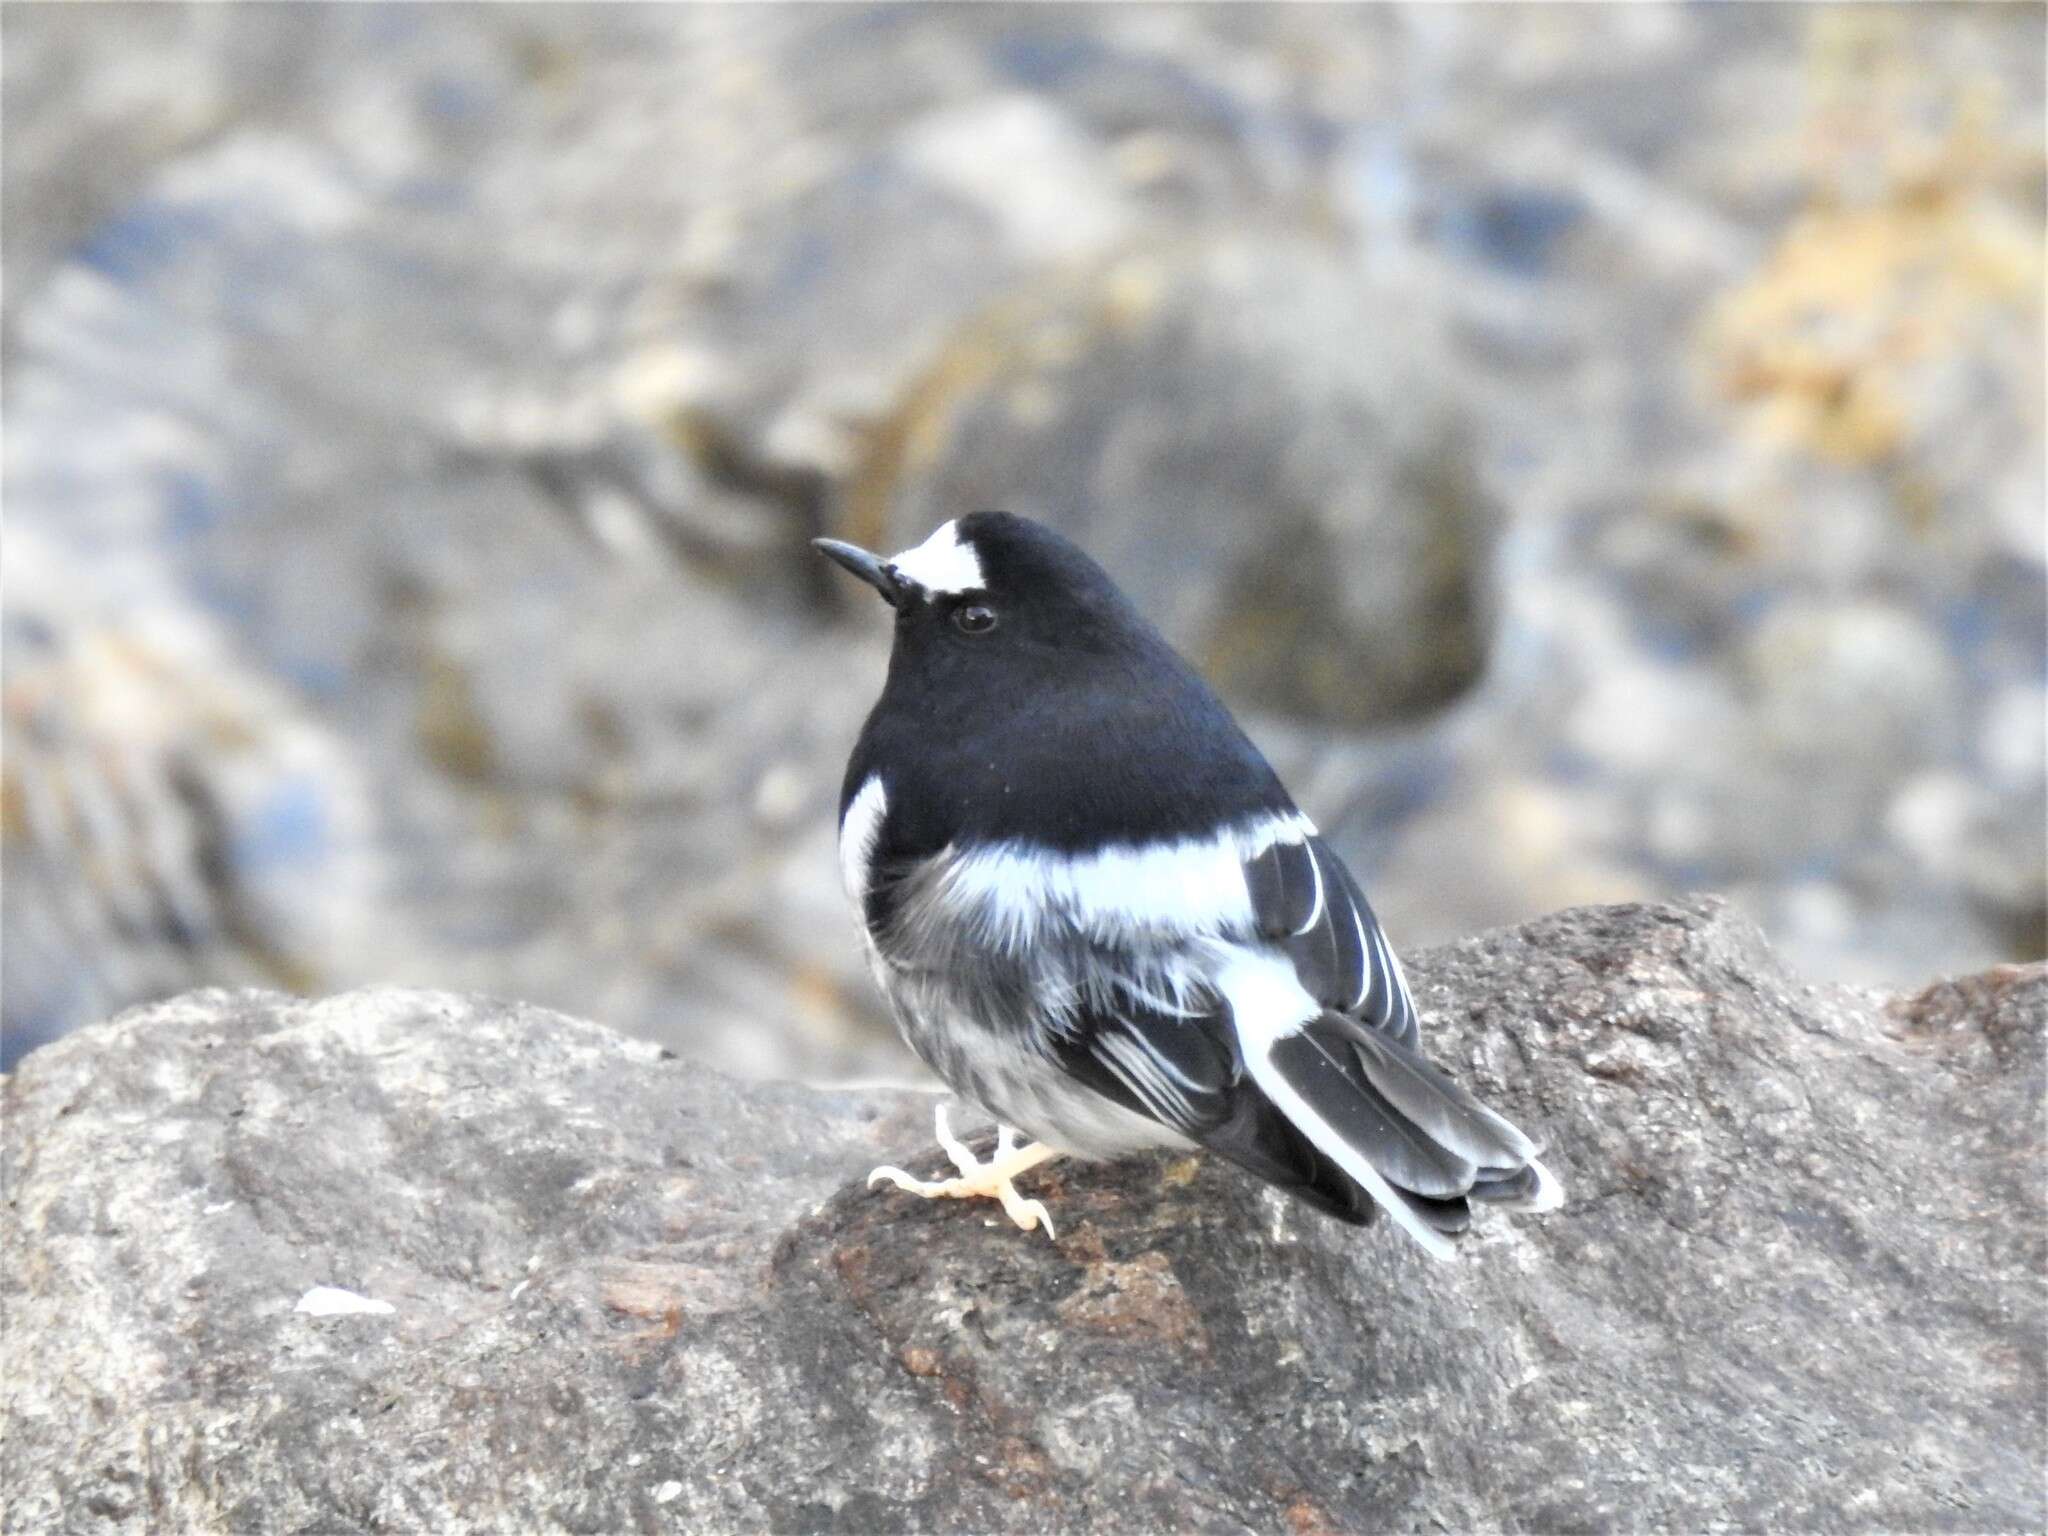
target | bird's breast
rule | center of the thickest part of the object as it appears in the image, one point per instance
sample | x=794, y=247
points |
x=1000, y=1063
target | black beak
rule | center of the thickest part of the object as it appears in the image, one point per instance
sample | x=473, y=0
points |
x=872, y=569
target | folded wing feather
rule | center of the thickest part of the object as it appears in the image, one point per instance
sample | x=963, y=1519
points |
x=1300, y=1063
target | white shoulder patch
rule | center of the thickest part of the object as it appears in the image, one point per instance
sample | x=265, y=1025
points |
x=858, y=829
x=942, y=563
x=1194, y=887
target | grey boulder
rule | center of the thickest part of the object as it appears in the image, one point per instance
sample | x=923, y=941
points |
x=409, y=1261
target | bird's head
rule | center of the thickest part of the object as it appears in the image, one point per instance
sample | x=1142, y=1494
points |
x=991, y=593
x=1028, y=698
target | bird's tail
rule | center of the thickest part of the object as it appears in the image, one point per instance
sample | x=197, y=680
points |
x=1420, y=1145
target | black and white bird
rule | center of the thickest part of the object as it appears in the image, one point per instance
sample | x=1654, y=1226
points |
x=1099, y=917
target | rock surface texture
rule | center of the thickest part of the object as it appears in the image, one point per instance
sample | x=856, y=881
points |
x=1797, y=1285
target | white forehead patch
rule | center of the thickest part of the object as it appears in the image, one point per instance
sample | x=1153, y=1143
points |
x=945, y=562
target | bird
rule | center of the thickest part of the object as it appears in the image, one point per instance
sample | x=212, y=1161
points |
x=1098, y=916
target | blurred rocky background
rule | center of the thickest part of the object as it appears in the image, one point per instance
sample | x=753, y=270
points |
x=1598, y=448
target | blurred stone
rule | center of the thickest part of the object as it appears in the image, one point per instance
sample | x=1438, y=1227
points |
x=1930, y=817
x=1254, y=445
x=476, y=375
x=2005, y=847
x=1816, y=677
x=493, y=1266
x=167, y=813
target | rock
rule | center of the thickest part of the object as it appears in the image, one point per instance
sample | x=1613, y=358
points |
x=1796, y=1285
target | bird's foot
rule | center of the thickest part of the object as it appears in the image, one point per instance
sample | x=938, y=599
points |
x=978, y=1180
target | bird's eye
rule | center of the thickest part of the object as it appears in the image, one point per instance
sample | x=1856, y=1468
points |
x=974, y=619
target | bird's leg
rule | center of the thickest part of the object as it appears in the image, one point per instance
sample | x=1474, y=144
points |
x=978, y=1180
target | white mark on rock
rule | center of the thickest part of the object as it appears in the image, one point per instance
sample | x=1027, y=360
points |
x=668, y=1492
x=1276, y=1213
x=216, y=1208
x=330, y=1301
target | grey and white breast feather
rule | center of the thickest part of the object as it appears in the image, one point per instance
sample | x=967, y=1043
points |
x=1001, y=960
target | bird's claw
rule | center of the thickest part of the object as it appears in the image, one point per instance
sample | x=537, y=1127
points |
x=991, y=1180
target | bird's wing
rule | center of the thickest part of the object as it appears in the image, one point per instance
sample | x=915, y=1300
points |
x=1178, y=1063
x=1332, y=1110
x=1304, y=900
